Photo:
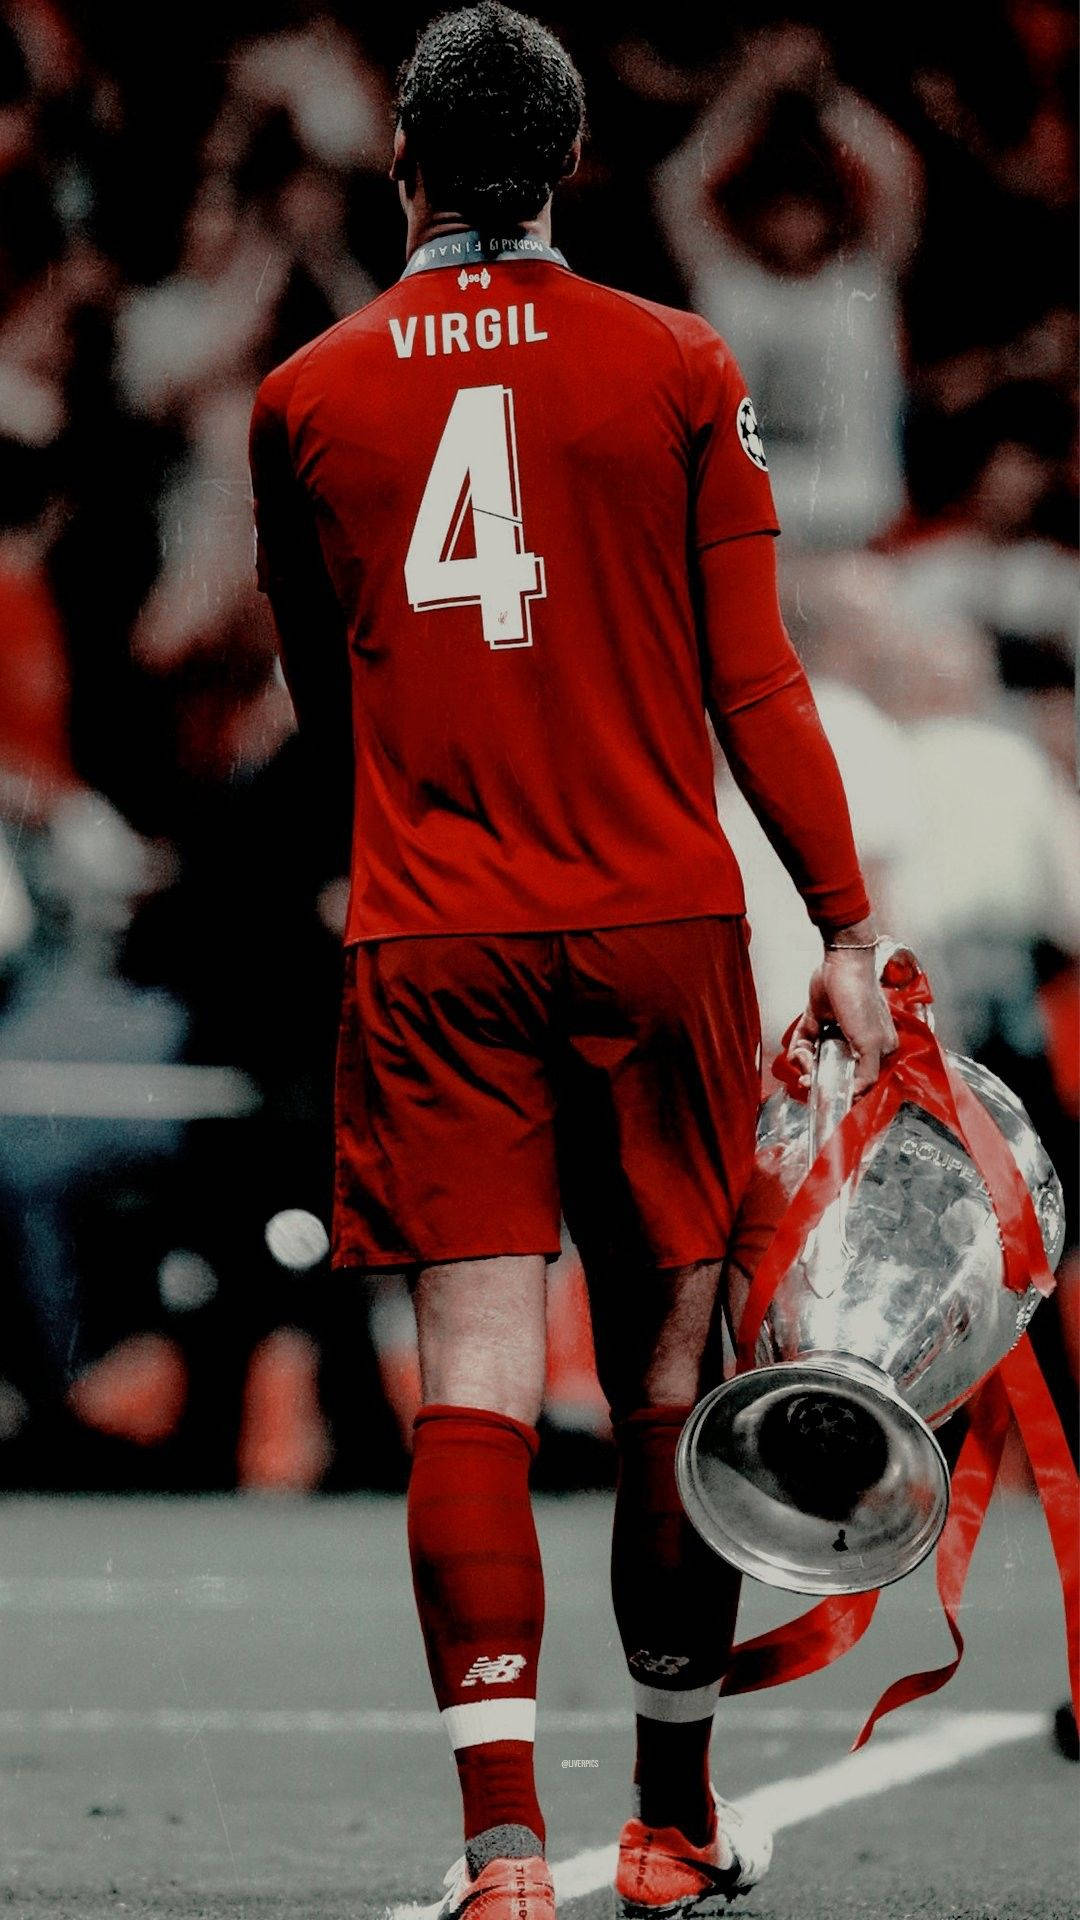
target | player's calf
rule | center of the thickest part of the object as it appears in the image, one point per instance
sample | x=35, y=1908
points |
x=479, y=1592
x=675, y=1603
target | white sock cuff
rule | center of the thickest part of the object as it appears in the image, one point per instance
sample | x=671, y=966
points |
x=678, y=1709
x=483, y=1721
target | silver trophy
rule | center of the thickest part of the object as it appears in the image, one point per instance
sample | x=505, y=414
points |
x=819, y=1471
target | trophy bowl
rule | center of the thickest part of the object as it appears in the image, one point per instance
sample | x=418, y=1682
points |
x=818, y=1471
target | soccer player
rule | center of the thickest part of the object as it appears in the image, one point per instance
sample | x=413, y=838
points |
x=520, y=527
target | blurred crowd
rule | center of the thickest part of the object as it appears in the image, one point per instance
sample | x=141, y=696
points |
x=882, y=225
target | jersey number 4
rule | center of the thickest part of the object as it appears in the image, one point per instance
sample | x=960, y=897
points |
x=474, y=477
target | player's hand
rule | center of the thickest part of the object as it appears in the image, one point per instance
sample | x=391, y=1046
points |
x=846, y=991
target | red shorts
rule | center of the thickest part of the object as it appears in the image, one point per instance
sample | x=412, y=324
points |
x=486, y=1084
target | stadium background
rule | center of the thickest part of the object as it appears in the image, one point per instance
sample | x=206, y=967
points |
x=216, y=1706
x=883, y=225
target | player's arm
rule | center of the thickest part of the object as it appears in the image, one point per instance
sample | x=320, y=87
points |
x=767, y=723
x=766, y=720
x=761, y=706
x=292, y=573
x=312, y=638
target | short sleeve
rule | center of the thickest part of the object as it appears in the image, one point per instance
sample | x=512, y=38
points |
x=731, y=492
x=285, y=541
x=292, y=571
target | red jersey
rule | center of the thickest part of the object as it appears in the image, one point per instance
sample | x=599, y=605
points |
x=506, y=474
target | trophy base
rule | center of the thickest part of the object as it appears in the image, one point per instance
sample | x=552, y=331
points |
x=814, y=1475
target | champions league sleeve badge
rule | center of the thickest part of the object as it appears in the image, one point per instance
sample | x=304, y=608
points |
x=750, y=433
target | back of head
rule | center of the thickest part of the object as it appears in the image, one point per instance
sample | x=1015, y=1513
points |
x=491, y=105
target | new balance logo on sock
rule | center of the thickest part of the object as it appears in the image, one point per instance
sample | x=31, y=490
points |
x=668, y=1664
x=494, y=1673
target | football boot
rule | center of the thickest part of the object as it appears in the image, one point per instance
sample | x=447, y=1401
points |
x=490, y=1885
x=661, y=1872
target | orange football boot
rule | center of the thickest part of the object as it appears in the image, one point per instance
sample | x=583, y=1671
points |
x=661, y=1873
x=502, y=1890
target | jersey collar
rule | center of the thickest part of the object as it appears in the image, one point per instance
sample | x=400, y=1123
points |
x=476, y=249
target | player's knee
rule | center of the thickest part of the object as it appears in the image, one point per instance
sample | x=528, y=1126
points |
x=457, y=1378
x=672, y=1385
x=482, y=1335
x=643, y=1393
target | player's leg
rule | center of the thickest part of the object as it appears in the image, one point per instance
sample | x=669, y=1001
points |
x=675, y=1601
x=666, y=1070
x=480, y=1330
x=475, y=1559
x=446, y=1167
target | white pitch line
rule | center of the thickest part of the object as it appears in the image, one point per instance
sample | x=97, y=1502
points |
x=785, y=1803
x=101, y=1593
x=873, y=1770
x=346, y=1721
x=316, y=1721
x=207, y=1592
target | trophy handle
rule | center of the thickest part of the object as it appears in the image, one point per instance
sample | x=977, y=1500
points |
x=832, y=1079
x=833, y=1070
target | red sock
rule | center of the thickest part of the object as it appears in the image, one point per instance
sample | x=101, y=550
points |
x=480, y=1594
x=675, y=1603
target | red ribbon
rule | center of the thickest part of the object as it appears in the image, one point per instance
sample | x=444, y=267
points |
x=1055, y=1477
x=1016, y=1388
x=920, y=1073
x=801, y=1646
x=972, y=1485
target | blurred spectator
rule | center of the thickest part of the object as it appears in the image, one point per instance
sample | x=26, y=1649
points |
x=993, y=114
x=264, y=265
x=35, y=756
x=997, y=873
x=16, y=908
x=885, y=229
x=336, y=101
x=987, y=829
x=73, y=865
x=67, y=1138
x=792, y=208
x=993, y=553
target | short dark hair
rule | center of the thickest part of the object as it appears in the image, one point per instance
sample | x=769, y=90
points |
x=491, y=104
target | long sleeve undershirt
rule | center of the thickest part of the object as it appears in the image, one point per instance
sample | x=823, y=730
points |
x=761, y=706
